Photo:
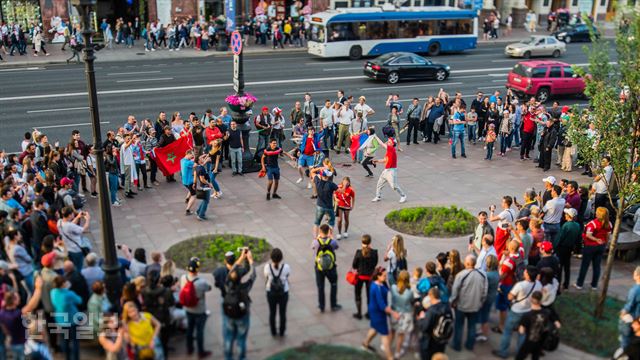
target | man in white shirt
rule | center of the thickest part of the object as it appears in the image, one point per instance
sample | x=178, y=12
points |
x=362, y=107
x=127, y=162
x=327, y=121
x=601, y=183
x=520, y=297
x=309, y=110
x=344, y=118
x=553, y=212
x=487, y=249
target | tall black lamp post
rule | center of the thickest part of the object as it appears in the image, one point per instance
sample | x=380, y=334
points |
x=111, y=266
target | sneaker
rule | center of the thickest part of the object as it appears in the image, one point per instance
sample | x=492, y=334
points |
x=201, y=218
x=309, y=186
x=369, y=175
x=345, y=235
x=94, y=194
x=336, y=308
x=368, y=348
x=155, y=183
x=188, y=213
x=268, y=196
x=403, y=199
x=116, y=204
x=464, y=156
x=204, y=354
x=376, y=199
x=338, y=237
x=276, y=196
x=299, y=181
x=577, y=287
x=594, y=288
x=481, y=338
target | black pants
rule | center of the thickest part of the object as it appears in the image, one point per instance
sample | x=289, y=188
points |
x=545, y=158
x=432, y=135
x=165, y=335
x=564, y=255
x=526, y=144
x=358, y=292
x=428, y=347
x=481, y=123
x=154, y=170
x=529, y=347
x=277, y=303
x=332, y=276
x=366, y=162
x=225, y=150
x=414, y=125
x=142, y=168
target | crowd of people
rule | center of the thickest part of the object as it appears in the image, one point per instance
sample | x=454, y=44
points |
x=518, y=266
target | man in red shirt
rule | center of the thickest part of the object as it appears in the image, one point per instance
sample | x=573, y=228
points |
x=212, y=133
x=528, y=132
x=507, y=270
x=390, y=172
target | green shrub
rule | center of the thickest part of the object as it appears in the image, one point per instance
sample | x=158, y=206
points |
x=436, y=221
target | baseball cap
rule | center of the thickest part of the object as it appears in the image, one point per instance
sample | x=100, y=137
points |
x=277, y=110
x=66, y=181
x=546, y=246
x=550, y=179
x=229, y=257
x=264, y=108
x=194, y=264
x=565, y=109
x=571, y=212
x=48, y=259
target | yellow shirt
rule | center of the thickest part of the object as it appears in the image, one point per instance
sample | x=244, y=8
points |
x=141, y=331
x=287, y=28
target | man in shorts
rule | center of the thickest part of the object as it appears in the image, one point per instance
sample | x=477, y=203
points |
x=308, y=146
x=324, y=203
x=270, y=165
x=186, y=173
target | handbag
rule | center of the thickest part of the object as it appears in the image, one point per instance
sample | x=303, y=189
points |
x=352, y=277
x=262, y=173
x=85, y=247
x=201, y=194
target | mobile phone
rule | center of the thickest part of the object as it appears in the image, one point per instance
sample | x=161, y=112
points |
x=119, y=246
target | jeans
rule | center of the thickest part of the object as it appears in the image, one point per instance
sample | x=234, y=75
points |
x=235, y=330
x=17, y=351
x=77, y=259
x=236, y=159
x=130, y=40
x=113, y=187
x=70, y=346
x=593, y=255
x=515, y=136
x=458, y=135
x=551, y=231
x=196, y=322
x=510, y=326
x=202, y=209
x=321, y=212
x=504, y=142
x=472, y=319
x=490, y=150
x=212, y=180
x=564, y=255
x=329, y=139
x=172, y=42
x=332, y=276
x=277, y=303
x=472, y=132
x=154, y=170
x=141, y=170
x=388, y=176
x=414, y=125
x=366, y=162
x=263, y=140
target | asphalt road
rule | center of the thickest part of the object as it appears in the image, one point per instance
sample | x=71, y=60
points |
x=53, y=98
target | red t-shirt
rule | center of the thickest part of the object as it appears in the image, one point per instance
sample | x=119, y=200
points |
x=528, y=125
x=308, y=147
x=508, y=267
x=595, y=227
x=345, y=199
x=212, y=134
x=392, y=158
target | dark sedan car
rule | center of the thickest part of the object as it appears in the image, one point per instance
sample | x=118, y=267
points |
x=578, y=32
x=403, y=65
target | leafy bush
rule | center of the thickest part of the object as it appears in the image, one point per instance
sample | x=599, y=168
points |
x=436, y=221
x=219, y=245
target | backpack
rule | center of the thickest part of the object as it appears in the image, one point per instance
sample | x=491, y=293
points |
x=438, y=282
x=277, y=285
x=552, y=338
x=78, y=201
x=401, y=264
x=519, y=271
x=443, y=330
x=188, y=296
x=325, y=257
x=235, y=303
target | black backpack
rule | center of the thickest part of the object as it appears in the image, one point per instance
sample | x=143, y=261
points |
x=401, y=264
x=235, y=303
x=443, y=329
x=78, y=201
x=277, y=285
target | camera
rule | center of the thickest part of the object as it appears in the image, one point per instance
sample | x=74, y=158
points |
x=244, y=249
x=504, y=226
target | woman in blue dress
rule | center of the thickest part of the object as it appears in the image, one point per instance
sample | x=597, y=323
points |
x=379, y=309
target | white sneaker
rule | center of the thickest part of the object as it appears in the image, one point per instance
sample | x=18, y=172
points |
x=299, y=181
x=403, y=199
x=345, y=235
x=219, y=194
x=376, y=199
x=147, y=50
x=309, y=186
x=153, y=49
x=116, y=204
x=338, y=237
x=170, y=49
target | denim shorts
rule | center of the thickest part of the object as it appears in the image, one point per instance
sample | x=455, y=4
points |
x=305, y=160
x=484, y=312
x=502, y=300
x=273, y=173
x=320, y=212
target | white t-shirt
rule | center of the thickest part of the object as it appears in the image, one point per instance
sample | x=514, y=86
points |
x=126, y=153
x=507, y=216
x=601, y=185
x=326, y=115
x=549, y=292
x=346, y=116
x=364, y=108
x=521, y=292
x=284, y=275
x=553, y=210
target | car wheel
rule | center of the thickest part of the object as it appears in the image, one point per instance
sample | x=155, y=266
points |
x=526, y=55
x=434, y=49
x=441, y=75
x=393, y=77
x=543, y=94
x=556, y=53
x=355, y=52
x=567, y=39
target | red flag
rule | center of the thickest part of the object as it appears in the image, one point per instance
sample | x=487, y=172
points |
x=168, y=157
x=356, y=142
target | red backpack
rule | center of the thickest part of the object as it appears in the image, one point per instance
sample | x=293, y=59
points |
x=188, y=296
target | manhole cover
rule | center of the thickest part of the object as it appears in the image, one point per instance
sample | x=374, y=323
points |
x=139, y=53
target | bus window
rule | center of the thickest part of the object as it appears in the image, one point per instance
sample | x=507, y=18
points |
x=342, y=32
x=317, y=33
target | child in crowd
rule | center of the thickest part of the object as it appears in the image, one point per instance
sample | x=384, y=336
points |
x=490, y=141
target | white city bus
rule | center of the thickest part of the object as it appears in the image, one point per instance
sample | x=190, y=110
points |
x=357, y=32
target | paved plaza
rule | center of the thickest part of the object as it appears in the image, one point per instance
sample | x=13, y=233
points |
x=156, y=220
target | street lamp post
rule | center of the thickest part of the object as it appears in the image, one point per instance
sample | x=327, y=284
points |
x=111, y=266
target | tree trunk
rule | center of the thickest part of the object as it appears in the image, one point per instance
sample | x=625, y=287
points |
x=610, y=258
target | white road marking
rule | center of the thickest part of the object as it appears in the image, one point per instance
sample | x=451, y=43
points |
x=499, y=80
x=504, y=60
x=486, y=87
x=328, y=63
x=312, y=92
x=134, y=73
x=408, y=86
x=140, y=80
x=68, y=125
x=57, y=110
x=20, y=69
x=346, y=68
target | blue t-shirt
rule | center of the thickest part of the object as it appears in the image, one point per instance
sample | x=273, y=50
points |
x=186, y=171
x=65, y=305
x=458, y=116
x=632, y=306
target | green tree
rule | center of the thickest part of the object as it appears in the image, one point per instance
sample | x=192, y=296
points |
x=614, y=95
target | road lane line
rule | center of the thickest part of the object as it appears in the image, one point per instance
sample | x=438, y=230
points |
x=504, y=60
x=56, y=110
x=20, y=69
x=69, y=125
x=408, y=86
x=141, y=80
x=311, y=92
x=486, y=87
x=499, y=80
x=134, y=73
x=346, y=68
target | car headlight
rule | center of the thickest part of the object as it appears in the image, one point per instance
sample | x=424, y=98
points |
x=447, y=67
x=562, y=34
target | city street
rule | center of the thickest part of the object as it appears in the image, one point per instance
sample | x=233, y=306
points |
x=53, y=98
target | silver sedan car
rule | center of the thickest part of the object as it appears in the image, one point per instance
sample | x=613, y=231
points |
x=536, y=46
